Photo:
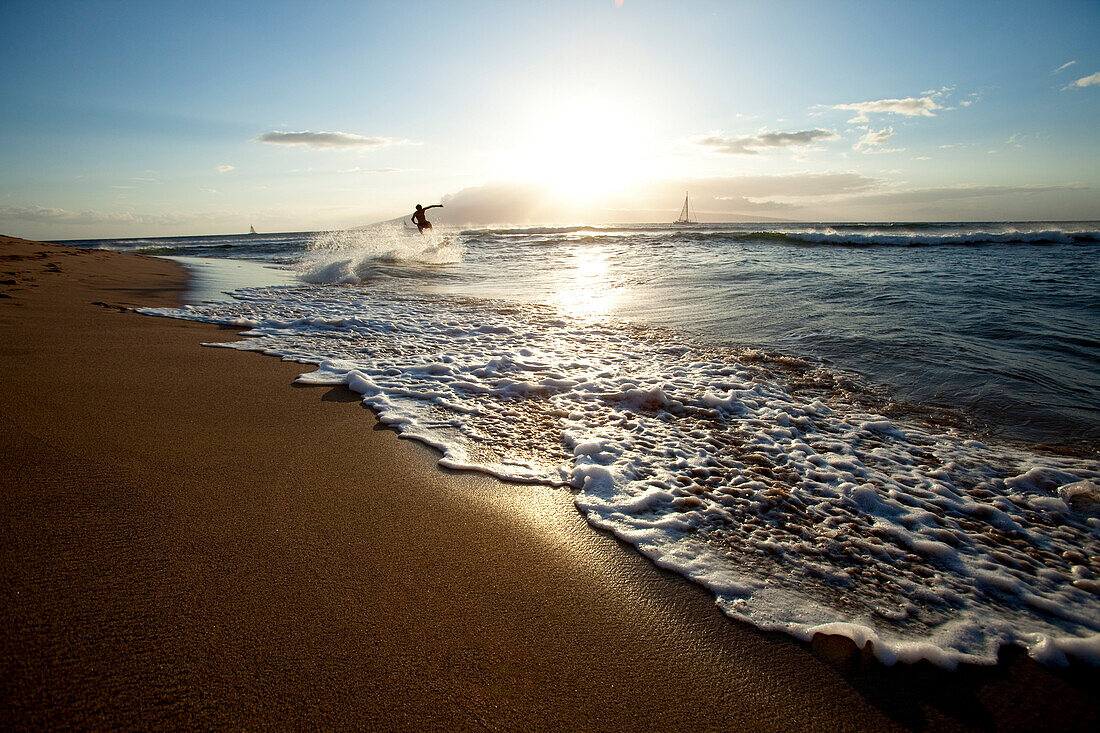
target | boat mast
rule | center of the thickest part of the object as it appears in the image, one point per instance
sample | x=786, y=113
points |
x=685, y=213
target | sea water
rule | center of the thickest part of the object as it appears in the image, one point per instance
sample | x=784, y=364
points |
x=882, y=431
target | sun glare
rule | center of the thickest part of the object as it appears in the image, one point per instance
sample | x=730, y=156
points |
x=585, y=291
x=582, y=150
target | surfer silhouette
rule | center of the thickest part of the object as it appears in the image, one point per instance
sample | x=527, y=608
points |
x=419, y=219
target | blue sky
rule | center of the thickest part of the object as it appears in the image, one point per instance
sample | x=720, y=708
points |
x=140, y=119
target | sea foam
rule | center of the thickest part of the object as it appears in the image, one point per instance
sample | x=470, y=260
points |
x=356, y=256
x=800, y=512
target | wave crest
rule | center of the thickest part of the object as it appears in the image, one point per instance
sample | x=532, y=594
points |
x=838, y=235
x=354, y=256
x=1046, y=236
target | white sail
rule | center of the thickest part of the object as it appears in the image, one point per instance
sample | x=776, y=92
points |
x=685, y=213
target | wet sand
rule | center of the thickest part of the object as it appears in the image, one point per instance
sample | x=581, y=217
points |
x=190, y=541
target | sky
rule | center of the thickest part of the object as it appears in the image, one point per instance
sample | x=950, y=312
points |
x=129, y=119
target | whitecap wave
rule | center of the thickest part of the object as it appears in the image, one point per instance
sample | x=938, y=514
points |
x=355, y=256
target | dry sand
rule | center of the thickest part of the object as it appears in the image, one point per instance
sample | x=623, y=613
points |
x=190, y=541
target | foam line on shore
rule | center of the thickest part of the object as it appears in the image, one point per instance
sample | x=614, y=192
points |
x=799, y=514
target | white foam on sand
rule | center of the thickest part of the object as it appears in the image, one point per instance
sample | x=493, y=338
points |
x=799, y=514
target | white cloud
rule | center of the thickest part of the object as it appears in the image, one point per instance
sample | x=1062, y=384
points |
x=946, y=89
x=325, y=140
x=970, y=99
x=225, y=168
x=369, y=170
x=750, y=144
x=873, y=141
x=1063, y=67
x=910, y=106
x=1085, y=81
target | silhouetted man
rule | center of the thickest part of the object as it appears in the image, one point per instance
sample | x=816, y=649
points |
x=418, y=217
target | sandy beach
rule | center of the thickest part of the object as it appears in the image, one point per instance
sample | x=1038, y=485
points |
x=191, y=541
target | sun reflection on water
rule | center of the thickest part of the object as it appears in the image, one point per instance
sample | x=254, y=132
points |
x=587, y=289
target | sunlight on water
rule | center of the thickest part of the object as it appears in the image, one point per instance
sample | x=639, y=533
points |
x=803, y=501
x=586, y=290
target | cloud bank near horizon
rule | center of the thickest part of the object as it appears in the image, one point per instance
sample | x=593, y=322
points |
x=829, y=196
x=57, y=215
x=715, y=198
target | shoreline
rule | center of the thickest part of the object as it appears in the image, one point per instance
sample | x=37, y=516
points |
x=188, y=542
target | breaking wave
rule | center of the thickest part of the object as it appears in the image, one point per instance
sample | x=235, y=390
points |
x=357, y=256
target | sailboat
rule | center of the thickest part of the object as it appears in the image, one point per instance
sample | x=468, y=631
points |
x=685, y=213
x=251, y=229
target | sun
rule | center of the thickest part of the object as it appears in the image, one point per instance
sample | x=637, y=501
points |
x=582, y=150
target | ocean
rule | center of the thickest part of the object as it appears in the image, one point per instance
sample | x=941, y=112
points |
x=884, y=431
